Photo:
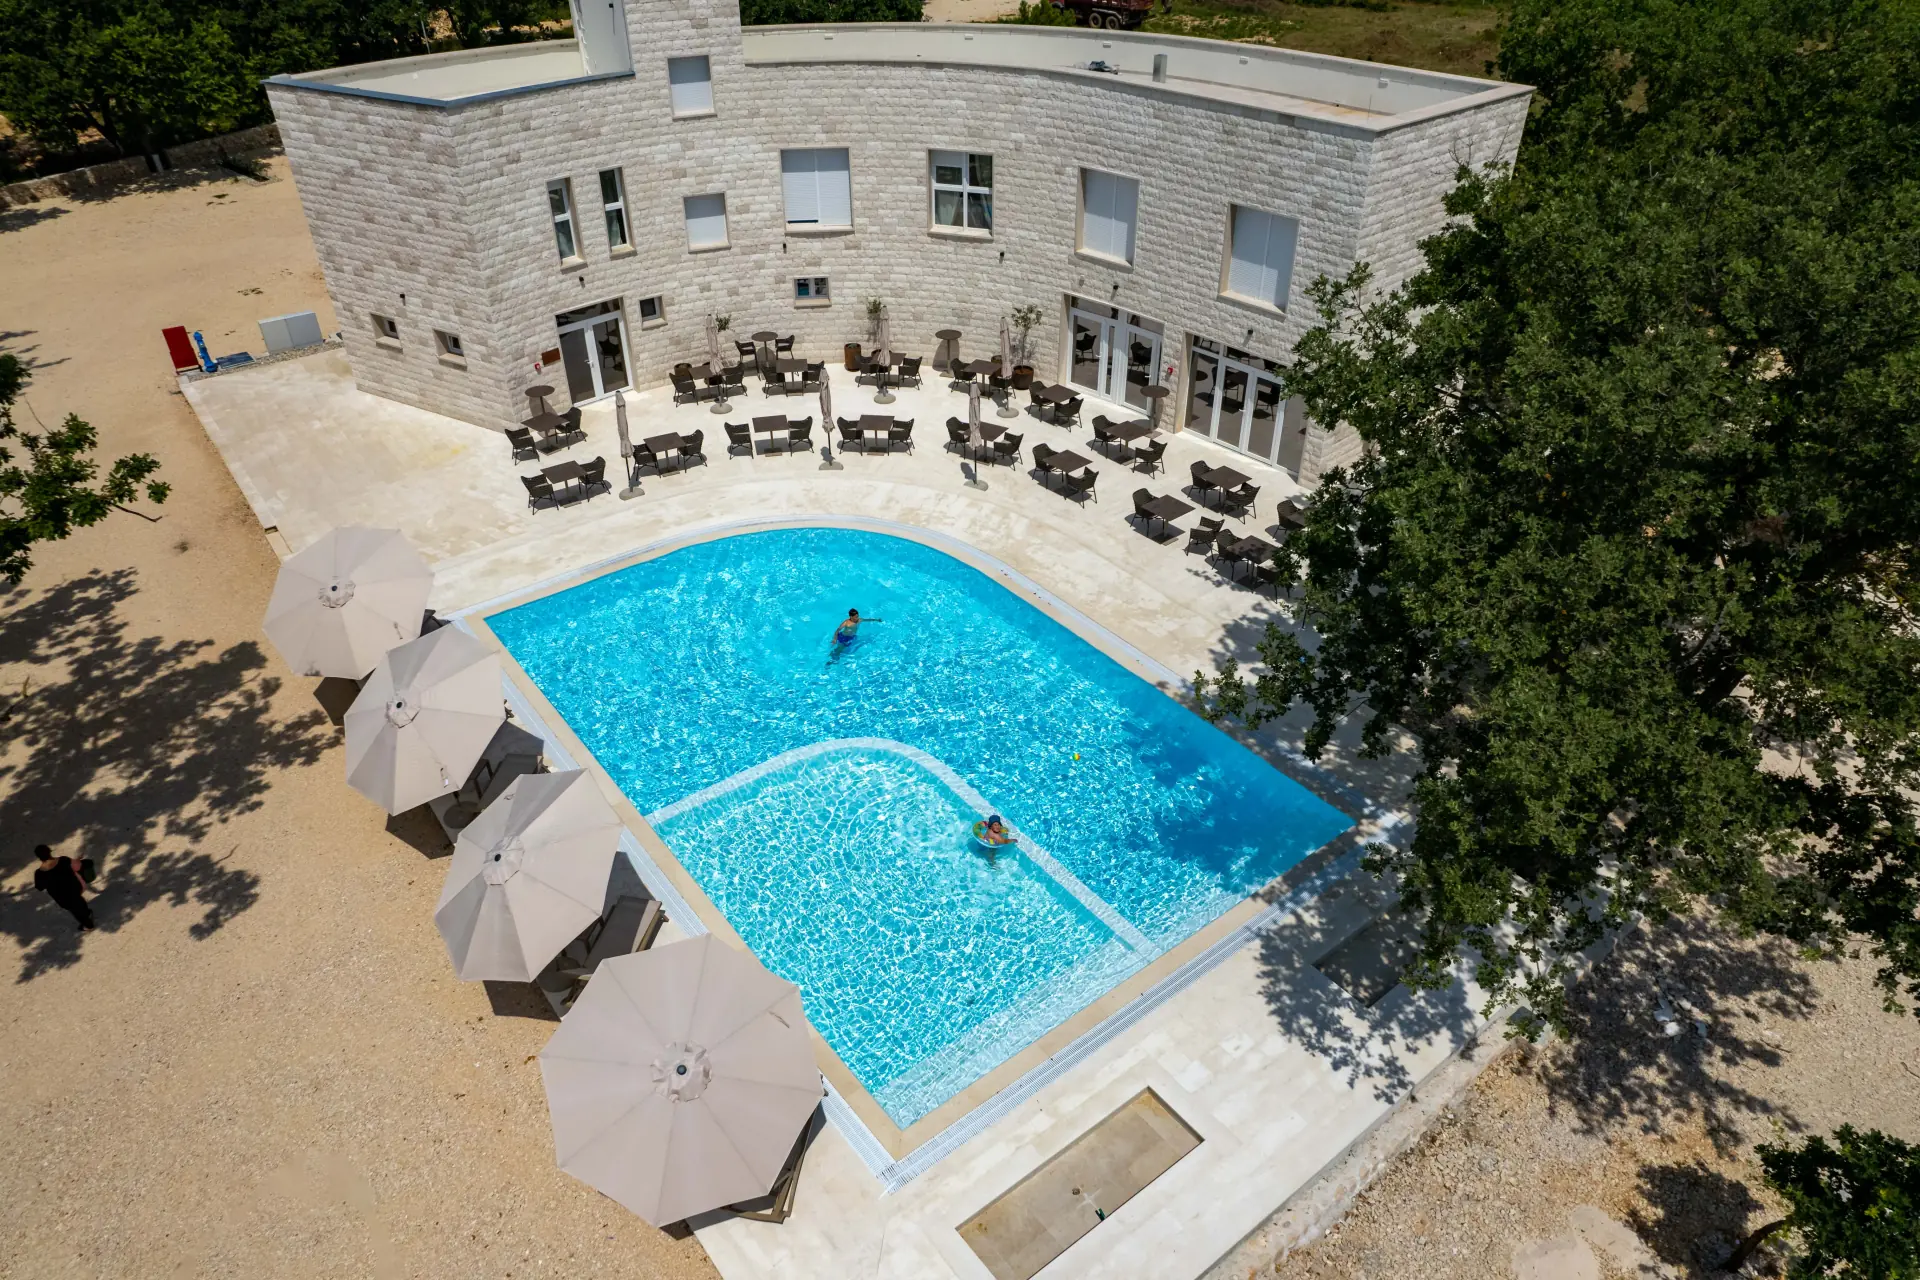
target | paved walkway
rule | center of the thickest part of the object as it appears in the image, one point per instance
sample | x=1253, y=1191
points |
x=1274, y=1068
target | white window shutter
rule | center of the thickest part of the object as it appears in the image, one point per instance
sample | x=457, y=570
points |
x=836, y=188
x=706, y=221
x=801, y=181
x=690, y=80
x=1261, y=257
x=1126, y=203
x=1109, y=203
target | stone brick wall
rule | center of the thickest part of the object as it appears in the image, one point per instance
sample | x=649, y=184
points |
x=448, y=206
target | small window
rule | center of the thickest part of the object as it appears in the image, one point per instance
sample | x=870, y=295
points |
x=810, y=287
x=963, y=190
x=613, y=199
x=560, y=204
x=384, y=327
x=706, y=222
x=652, y=310
x=690, y=82
x=1260, y=256
x=818, y=190
x=1108, y=203
x=449, y=343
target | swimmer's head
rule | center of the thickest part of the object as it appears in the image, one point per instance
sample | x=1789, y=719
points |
x=854, y=614
x=994, y=820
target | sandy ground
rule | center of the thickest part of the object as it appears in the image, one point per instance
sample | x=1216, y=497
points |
x=260, y=1064
x=968, y=10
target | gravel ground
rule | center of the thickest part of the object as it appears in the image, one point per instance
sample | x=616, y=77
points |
x=1654, y=1132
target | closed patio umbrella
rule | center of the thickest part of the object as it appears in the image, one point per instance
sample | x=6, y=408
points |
x=626, y=443
x=1006, y=370
x=527, y=876
x=680, y=1079
x=342, y=602
x=713, y=343
x=423, y=719
x=975, y=441
x=883, y=359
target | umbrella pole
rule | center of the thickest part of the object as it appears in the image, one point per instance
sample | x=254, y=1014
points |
x=633, y=481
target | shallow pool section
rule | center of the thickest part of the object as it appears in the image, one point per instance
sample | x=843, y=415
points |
x=850, y=871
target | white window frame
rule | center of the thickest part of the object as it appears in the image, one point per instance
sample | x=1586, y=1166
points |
x=385, y=328
x=658, y=304
x=966, y=189
x=824, y=190
x=565, y=229
x=690, y=98
x=1265, y=276
x=1099, y=213
x=687, y=210
x=615, y=208
x=811, y=289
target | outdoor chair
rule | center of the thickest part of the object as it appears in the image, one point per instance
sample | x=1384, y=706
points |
x=645, y=457
x=1292, y=514
x=733, y=378
x=998, y=386
x=1198, y=471
x=684, y=390
x=690, y=447
x=593, y=475
x=1240, y=500
x=900, y=433
x=1081, y=488
x=1035, y=401
x=1151, y=456
x=539, y=489
x=1141, y=497
x=1200, y=538
x=783, y=346
x=958, y=434
x=572, y=434
x=1067, y=414
x=1103, y=431
x=749, y=354
x=1007, y=448
x=630, y=925
x=524, y=445
x=1043, y=455
x=1223, y=540
x=739, y=436
x=1267, y=575
x=774, y=383
x=910, y=370
x=810, y=380
x=799, y=433
x=850, y=435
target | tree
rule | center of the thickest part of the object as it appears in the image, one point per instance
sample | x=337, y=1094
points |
x=49, y=492
x=757, y=13
x=1631, y=554
x=1853, y=1208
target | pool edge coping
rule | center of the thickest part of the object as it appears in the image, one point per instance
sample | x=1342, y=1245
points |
x=892, y=1154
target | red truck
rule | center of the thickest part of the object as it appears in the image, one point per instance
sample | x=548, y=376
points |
x=1114, y=15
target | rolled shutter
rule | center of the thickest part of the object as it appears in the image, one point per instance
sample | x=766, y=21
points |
x=836, y=188
x=802, y=185
x=1261, y=262
x=690, y=80
x=706, y=221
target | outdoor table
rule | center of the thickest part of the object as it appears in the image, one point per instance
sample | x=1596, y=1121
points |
x=991, y=432
x=790, y=364
x=563, y=473
x=1055, y=395
x=1166, y=509
x=764, y=356
x=1156, y=394
x=668, y=443
x=1127, y=432
x=1225, y=478
x=771, y=423
x=981, y=368
x=545, y=422
x=537, y=398
x=946, y=337
x=1066, y=462
x=1251, y=549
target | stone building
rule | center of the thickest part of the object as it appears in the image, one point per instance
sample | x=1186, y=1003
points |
x=571, y=212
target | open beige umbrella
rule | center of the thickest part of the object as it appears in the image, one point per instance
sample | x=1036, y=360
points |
x=527, y=876
x=423, y=719
x=680, y=1079
x=342, y=602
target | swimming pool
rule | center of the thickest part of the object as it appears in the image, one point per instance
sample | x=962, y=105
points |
x=824, y=804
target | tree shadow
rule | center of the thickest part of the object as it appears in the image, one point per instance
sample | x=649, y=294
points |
x=20, y=217
x=1712, y=989
x=131, y=751
x=1697, y=1216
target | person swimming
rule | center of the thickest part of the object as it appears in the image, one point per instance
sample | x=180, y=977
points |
x=992, y=835
x=848, y=631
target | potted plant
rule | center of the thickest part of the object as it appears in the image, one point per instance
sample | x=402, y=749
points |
x=1025, y=319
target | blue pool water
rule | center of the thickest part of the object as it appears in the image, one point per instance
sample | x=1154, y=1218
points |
x=848, y=869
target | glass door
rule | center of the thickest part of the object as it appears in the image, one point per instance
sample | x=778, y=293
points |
x=1237, y=399
x=1115, y=355
x=593, y=348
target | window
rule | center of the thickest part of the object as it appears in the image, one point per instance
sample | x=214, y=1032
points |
x=384, y=327
x=810, y=288
x=1260, y=256
x=819, y=193
x=449, y=344
x=613, y=199
x=1107, y=205
x=962, y=190
x=560, y=204
x=690, y=82
x=706, y=222
x=652, y=311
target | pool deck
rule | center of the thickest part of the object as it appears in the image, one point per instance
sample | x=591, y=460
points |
x=1271, y=1064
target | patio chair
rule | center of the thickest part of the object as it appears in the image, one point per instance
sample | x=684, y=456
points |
x=645, y=457
x=1152, y=455
x=1141, y=497
x=900, y=433
x=774, y=383
x=799, y=433
x=1007, y=448
x=524, y=445
x=593, y=475
x=1198, y=471
x=739, y=436
x=1292, y=514
x=1103, y=432
x=571, y=434
x=851, y=437
x=733, y=378
x=684, y=389
x=1067, y=414
x=998, y=386
x=1035, y=401
x=1043, y=455
x=690, y=447
x=958, y=435
x=1223, y=540
x=909, y=370
x=630, y=925
x=749, y=354
x=810, y=380
x=1200, y=537
x=1081, y=488
x=1239, y=501
x=1267, y=575
x=783, y=346
x=539, y=489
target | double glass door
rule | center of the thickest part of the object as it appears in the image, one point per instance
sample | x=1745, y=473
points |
x=1116, y=354
x=1237, y=399
x=593, y=347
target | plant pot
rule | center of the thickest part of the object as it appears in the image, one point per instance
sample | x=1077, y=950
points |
x=1022, y=377
x=852, y=354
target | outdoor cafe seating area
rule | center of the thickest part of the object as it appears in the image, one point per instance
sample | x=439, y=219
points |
x=1000, y=418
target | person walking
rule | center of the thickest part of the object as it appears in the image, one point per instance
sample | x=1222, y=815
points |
x=60, y=879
